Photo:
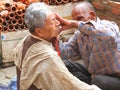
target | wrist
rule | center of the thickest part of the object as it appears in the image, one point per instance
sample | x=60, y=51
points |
x=74, y=24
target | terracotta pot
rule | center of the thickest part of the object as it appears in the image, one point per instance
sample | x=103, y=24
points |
x=11, y=15
x=23, y=17
x=13, y=8
x=23, y=10
x=22, y=27
x=20, y=22
x=59, y=1
x=1, y=8
x=65, y=1
x=75, y=0
x=10, y=27
x=25, y=2
x=19, y=12
x=16, y=27
x=1, y=20
x=7, y=19
x=46, y=1
x=17, y=17
x=52, y=2
x=0, y=28
x=31, y=1
x=4, y=13
x=2, y=4
x=4, y=23
x=25, y=25
x=20, y=6
x=15, y=0
x=4, y=28
x=14, y=22
x=7, y=5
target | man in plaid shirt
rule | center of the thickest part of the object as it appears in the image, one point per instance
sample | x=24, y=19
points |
x=97, y=42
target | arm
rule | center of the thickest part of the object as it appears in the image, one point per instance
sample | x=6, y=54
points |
x=69, y=50
x=99, y=31
x=103, y=31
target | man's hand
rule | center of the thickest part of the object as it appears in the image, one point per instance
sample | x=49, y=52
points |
x=66, y=24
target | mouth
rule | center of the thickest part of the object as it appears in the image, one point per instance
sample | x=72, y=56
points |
x=59, y=28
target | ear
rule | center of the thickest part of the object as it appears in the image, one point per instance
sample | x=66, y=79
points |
x=93, y=15
x=38, y=32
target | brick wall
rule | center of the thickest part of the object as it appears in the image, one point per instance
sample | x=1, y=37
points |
x=107, y=9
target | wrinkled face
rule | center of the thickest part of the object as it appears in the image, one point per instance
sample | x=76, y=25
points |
x=80, y=14
x=51, y=26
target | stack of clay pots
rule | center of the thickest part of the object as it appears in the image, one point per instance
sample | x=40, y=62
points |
x=50, y=2
x=12, y=16
x=12, y=12
x=58, y=2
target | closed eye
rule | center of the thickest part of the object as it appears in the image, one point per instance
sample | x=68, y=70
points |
x=80, y=18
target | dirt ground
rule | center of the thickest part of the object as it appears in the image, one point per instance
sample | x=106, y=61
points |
x=6, y=74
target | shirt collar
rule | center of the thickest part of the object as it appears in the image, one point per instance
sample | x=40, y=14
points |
x=41, y=39
x=98, y=20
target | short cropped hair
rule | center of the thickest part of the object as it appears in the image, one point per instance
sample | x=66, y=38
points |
x=87, y=5
x=35, y=15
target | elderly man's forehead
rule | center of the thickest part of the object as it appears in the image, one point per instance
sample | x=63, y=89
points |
x=50, y=13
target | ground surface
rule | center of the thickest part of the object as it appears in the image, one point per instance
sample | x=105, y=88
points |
x=6, y=74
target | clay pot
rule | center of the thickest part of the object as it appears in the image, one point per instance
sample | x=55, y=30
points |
x=17, y=17
x=46, y=1
x=20, y=6
x=65, y=1
x=20, y=22
x=16, y=27
x=1, y=8
x=75, y=0
x=4, y=28
x=7, y=19
x=4, y=13
x=7, y=5
x=13, y=8
x=10, y=27
x=59, y=1
x=4, y=23
x=31, y=1
x=1, y=20
x=19, y=12
x=0, y=28
x=11, y=15
x=22, y=27
x=52, y=2
x=14, y=22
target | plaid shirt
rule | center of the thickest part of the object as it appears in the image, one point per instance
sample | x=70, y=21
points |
x=98, y=44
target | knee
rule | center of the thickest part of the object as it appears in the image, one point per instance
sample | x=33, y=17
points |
x=106, y=82
x=97, y=80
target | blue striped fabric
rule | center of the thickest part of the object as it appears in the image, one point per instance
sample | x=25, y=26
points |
x=98, y=44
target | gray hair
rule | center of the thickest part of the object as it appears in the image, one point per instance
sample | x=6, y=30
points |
x=87, y=5
x=35, y=15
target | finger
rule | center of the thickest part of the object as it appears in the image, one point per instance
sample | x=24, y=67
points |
x=59, y=18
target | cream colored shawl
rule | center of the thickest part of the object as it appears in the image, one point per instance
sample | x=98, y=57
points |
x=42, y=67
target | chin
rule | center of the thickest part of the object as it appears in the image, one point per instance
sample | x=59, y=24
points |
x=54, y=37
